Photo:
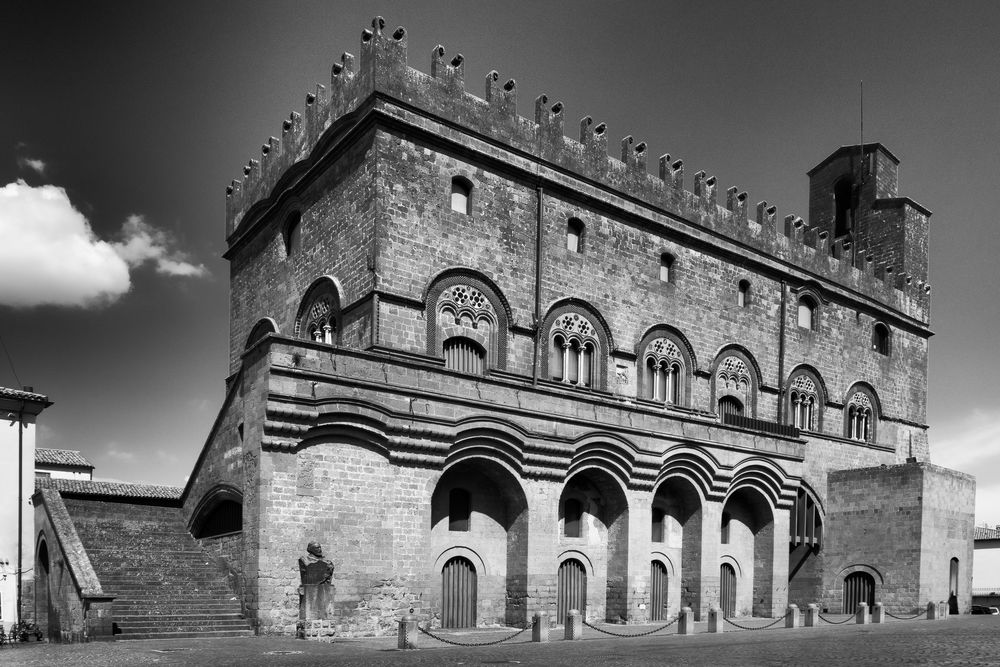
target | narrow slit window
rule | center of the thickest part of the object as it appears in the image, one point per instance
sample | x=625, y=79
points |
x=571, y=518
x=293, y=235
x=461, y=193
x=807, y=313
x=880, y=339
x=459, y=510
x=743, y=294
x=574, y=235
x=666, y=267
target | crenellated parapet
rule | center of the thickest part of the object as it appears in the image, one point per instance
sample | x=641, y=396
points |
x=382, y=69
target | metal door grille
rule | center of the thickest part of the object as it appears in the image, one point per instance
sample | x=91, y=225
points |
x=858, y=587
x=727, y=590
x=657, y=592
x=572, y=591
x=458, y=594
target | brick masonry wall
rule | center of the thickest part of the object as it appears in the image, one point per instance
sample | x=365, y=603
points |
x=337, y=229
x=904, y=523
x=617, y=274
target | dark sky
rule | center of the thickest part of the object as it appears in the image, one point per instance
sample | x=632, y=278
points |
x=136, y=116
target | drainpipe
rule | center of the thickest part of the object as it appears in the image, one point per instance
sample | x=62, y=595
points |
x=781, y=353
x=538, y=282
x=20, y=505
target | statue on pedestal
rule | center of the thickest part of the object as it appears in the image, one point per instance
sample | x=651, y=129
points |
x=316, y=589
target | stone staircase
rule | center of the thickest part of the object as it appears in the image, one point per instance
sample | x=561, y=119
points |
x=165, y=585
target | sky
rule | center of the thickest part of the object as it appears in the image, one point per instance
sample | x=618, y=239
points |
x=121, y=123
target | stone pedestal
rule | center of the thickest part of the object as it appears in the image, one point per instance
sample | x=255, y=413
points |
x=792, y=616
x=685, y=626
x=407, y=637
x=812, y=616
x=574, y=625
x=878, y=613
x=540, y=627
x=716, y=621
x=861, y=615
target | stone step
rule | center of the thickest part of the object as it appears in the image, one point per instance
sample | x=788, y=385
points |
x=187, y=625
x=186, y=635
x=133, y=618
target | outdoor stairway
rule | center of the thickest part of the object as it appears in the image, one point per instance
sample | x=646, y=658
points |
x=165, y=585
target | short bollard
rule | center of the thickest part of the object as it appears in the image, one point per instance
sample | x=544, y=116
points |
x=407, y=632
x=792, y=616
x=812, y=616
x=716, y=620
x=540, y=627
x=878, y=613
x=861, y=615
x=574, y=625
x=685, y=623
x=932, y=611
x=943, y=609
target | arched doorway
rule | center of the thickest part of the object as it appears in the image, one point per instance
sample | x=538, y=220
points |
x=479, y=506
x=458, y=594
x=42, y=599
x=676, y=529
x=858, y=587
x=572, y=588
x=658, y=587
x=727, y=590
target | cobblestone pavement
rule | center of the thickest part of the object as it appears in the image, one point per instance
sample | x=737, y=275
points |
x=963, y=640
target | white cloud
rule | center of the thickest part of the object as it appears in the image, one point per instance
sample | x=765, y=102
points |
x=49, y=254
x=114, y=451
x=141, y=243
x=34, y=164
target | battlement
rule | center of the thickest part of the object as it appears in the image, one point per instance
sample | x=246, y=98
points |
x=859, y=264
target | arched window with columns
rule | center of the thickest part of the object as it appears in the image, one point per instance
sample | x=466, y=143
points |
x=861, y=414
x=664, y=371
x=574, y=350
x=319, y=313
x=805, y=400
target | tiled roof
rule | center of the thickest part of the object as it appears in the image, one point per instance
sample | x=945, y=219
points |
x=984, y=533
x=112, y=489
x=7, y=392
x=61, y=457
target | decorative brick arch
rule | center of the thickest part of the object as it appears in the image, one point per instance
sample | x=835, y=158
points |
x=320, y=305
x=665, y=344
x=464, y=292
x=599, y=332
x=743, y=370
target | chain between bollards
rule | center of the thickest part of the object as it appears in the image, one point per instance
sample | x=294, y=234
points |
x=637, y=634
x=763, y=627
x=489, y=643
x=849, y=618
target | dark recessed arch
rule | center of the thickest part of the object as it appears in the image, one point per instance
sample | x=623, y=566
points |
x=219, y=512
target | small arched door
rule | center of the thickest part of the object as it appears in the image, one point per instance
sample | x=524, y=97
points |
x=657, y=591
x=727, y=590
x=858, y=587
x=458, y=594
x=572, y=588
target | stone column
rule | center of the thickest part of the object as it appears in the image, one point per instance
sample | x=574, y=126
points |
x=543, y=536
x=639, y=548
x=707, y=580
x=779, y=564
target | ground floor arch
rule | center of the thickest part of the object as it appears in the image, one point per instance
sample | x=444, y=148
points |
x=479, y=512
